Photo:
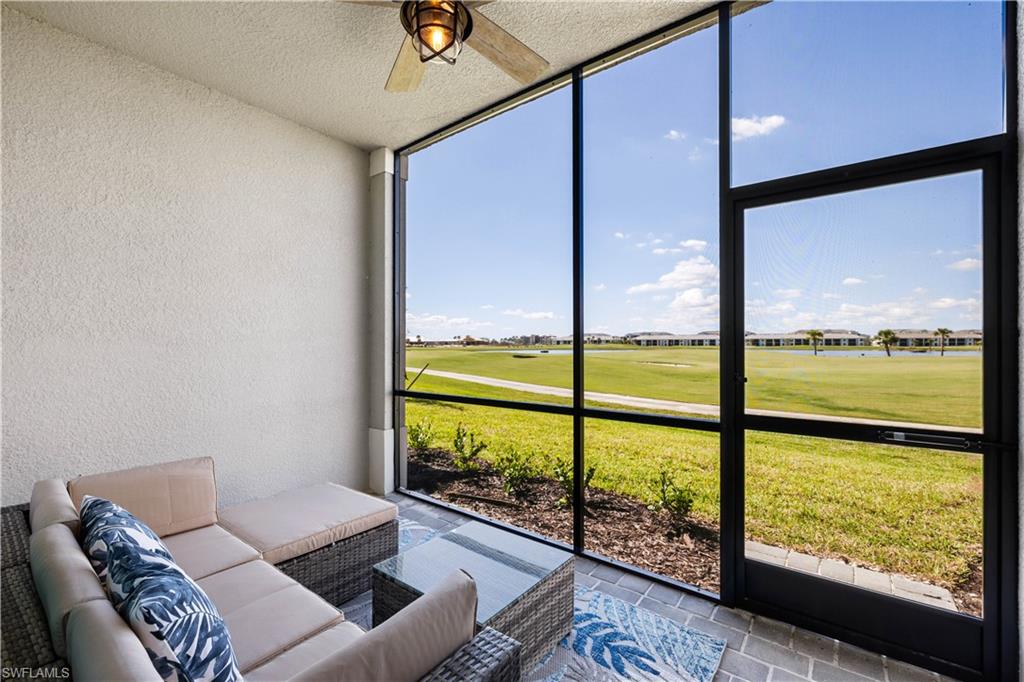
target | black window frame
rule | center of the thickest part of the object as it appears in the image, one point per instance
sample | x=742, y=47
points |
x=991, y=649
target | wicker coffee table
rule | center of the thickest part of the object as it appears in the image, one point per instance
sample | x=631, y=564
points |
x=524, y=587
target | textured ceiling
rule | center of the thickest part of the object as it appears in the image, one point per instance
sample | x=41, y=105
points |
x=324, y=64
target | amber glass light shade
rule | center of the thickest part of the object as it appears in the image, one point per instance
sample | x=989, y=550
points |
x=438, y=28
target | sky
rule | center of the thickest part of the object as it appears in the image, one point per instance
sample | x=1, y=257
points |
x=489, y=215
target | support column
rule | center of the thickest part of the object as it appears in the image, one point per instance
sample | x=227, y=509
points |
x=380, y=331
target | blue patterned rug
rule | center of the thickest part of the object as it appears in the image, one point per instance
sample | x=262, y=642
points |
x=610, y=640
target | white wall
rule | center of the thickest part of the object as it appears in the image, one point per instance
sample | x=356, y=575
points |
x=183, y=275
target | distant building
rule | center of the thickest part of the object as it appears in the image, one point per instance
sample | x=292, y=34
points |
x=922, y=338
x=699, y=339
x=964, y=337
x=830, y=337
x=594, y=338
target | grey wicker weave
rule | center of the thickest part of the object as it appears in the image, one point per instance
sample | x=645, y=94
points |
x=489, y=657
x=14, y=535
x=342, y=571
x=25, y=646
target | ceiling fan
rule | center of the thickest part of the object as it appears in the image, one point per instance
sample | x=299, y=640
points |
x=437, y=30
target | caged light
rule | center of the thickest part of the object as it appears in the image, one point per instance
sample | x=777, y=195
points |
x=438, y=28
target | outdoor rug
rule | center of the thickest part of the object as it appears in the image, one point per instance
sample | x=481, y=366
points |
x=610, y=639
x=615, y=640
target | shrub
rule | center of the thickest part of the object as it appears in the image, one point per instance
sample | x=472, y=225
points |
x=467, y=449
x=515, y=468
x=676, y=501
x=420, y=435
x=564, y=478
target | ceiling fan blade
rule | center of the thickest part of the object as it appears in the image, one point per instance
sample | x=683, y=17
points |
x=408, y=69
x=508, y=54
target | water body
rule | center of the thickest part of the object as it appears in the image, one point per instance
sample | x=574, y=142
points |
x=854, y=353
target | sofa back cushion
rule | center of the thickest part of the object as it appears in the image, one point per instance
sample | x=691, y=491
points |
x=409, y=644
x=52, y=504
x=63, y=577
x=101, y=646
x=172, y=497
x=112, y=536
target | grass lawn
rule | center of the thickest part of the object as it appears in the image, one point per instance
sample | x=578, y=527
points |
x=919, y=388
x=906, y=510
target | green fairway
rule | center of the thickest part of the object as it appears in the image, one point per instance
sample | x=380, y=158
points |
x=926, y=389
x=906, y=510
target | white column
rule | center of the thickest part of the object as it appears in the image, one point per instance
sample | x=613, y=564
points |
x=380, y=328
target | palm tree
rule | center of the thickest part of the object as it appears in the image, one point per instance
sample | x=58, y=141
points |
x=943, y=334
x=887, y=338
x=814, y=335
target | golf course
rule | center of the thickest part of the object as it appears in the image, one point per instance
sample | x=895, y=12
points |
x=911, y=511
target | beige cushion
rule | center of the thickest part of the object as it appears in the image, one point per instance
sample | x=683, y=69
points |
x=63, y=577
x=412, y=642
x=307, y=654
x=205, y=551
x=169, y=498
x=266, y=611
x=297, y=522
x=102, y=647
x=51, y=504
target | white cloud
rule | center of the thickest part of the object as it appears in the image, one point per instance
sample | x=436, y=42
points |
x=519, y=312
x=619, y=235
x=696, y=154
x=711, y=140
x=487, y=306
x=852, y=281
x=600, y=287
x=694, y=244
x=971, y=306
x=426, y=321
x=691, y=309
x=675, y=136
x=830, y=297
x=758, y=307
x=755, y=126
x=655, y=242
x=965, y=265
x=641, y=245
x=920, y=290
x=662, y=251
x=693, y=272
x=788, y=293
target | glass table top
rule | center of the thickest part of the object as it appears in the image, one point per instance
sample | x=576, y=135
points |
x=504, y=565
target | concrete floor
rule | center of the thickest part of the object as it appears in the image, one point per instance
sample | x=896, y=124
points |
x=758, y=649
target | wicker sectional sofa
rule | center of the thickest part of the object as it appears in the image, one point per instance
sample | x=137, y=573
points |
x=276, y=569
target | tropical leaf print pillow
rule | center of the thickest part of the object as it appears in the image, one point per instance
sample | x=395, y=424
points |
x=180, y=627
x=104, y=524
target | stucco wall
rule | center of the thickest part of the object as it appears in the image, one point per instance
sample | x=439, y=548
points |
x=183, y=275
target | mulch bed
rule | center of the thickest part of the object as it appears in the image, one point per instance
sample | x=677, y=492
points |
x=615, y=526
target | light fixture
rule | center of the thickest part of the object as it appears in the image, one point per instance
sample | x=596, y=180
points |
x=438, y=28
